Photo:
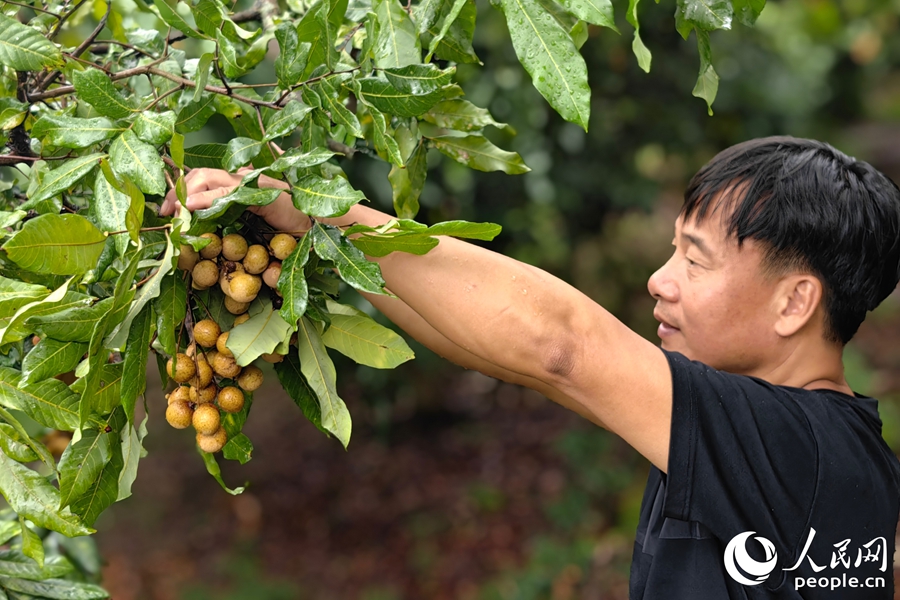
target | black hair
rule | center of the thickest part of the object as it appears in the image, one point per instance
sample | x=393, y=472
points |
x=815, y=210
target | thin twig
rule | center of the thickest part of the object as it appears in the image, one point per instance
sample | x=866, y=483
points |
x=81, y=47
x=172, y=164
x=158, y=99
x=64, y=17
x=52, y=14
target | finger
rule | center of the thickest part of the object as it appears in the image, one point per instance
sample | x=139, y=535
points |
x=205, y=199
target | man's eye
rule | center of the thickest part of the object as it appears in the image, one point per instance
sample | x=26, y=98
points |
x=690, y=262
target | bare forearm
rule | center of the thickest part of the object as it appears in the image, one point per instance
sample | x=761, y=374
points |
x=498, y=309
x=413, y=324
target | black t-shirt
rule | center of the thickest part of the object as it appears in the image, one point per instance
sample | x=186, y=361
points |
x=772, y=463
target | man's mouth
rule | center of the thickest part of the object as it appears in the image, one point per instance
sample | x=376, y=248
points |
x=665, y=329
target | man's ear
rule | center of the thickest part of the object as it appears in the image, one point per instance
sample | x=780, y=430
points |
x=798, y=297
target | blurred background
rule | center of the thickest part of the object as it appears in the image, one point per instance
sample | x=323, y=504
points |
x=456, y=485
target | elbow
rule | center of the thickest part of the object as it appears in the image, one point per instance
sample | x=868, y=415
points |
x=558, y=359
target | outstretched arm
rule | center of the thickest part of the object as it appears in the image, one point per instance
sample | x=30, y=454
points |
x=507, y=319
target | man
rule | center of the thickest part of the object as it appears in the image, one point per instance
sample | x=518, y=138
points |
x=781, y=248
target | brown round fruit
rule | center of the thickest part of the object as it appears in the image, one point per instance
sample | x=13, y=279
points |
x=211, y=356
x=226, y=366
x=183, y=368
x=241, y=319
x=251, y=378
x=245, y=287
x=272, y=273
x=206, y=332
x=179, y=414
x=235, y=307
x=257, y=259
x=234, y=246
x=203, y=395
x=206, y=419
x=180, y=394
x=230, y=399
x=282, y=245
x=214, y=442
x=212, y=249
x=205, y=273
x=221, y=345
x=187, y=258
x=272, y=357
x=204, y=374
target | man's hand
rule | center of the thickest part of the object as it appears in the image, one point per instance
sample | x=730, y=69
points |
x=205, y=185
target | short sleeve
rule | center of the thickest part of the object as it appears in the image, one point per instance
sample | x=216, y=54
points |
x=742, y=454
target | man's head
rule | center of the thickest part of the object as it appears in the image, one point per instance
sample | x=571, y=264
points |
x=780, y=242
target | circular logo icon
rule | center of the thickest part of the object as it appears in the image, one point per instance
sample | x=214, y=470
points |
x=742, y=567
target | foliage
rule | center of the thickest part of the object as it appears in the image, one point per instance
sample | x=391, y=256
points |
x=98, y=134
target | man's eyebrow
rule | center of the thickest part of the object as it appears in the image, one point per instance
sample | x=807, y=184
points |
x=699, y=242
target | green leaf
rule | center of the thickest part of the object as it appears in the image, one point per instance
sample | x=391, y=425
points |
x=367, y=342
x=23, y=48
x=318, y=370
x=82, y=462
x=35, y=498
x=170, y=307
x=176, y=149
x=215, y=304
x=50, y=358
x=706, y=14
x=312, y=29
x=448, y=22
x=257, y=336
x=397, y=42
x=109, y=209
x=12, y=113
x=155, y=128
x=132, y=451
x=212, y=467
x=14, y=294
x=55, y=589
x=319, y=197
x=10, y=218
x=137, y=348
x=386, y=98
x=245, y=196
x=72, y=132
x=59, y=244
x=708, y=80
x=228, y=58
x=64, y=176
x=49, y=402
x=549, y=55
x=597, y=12
x=135, y=210
x=291, y=61
x=195, y=115
x=104, y=490
x=350, y=261
x=456, y=42
x=479, y=153
x=748, y=10
x=17, y=448
x=638, y=47
x=297, y=158
x=38, y=448
x=294, y=383
x=419, y=80
x=203, y=68
x=340, y=114
x=95, y=87
x=292, y=283
x=175, y=20
x=207, y=16
x=384, y=140
x=378, y=246
x=16, y=564
x=205, y=155
x=329, y=32
x=14, y=329
x=74, y=323
x=407, y=182
x=139, y=162
x=286, y=120
x=238, y=448
x=32, y=546
x=240, y=151
x=461, y=115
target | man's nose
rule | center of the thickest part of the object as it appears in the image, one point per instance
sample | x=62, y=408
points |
x=662, y=286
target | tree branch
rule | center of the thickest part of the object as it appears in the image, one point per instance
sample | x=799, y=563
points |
x=43, y=85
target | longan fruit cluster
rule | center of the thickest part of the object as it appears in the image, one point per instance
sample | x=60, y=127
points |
x=239, y=268
x=203, y=394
